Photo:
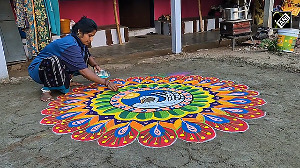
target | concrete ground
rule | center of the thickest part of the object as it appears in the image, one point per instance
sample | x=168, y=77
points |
x=272, y=141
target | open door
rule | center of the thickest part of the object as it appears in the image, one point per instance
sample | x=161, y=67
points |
x=136, y=13
x=11, y=39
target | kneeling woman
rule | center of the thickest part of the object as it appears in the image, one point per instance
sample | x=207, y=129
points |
x=59, y=60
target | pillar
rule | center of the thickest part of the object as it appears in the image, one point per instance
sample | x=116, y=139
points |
x=3, y=67
x=176, y=26
x=268, y=13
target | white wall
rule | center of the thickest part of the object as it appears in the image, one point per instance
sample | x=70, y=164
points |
x=99, y=39
x=3, y=68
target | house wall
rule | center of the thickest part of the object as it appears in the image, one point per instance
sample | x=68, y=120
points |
x=161, y=7
x=101, y=11
x=189, y=8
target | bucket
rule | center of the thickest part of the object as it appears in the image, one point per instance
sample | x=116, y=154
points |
x=287, y=39
x=65, y=26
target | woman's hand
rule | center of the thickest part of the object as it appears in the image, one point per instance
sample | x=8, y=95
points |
x=90, y=75
x=97, y=68
x=111, y=85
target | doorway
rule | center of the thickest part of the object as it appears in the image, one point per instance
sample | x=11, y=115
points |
x=136, y=13
x=10, y=36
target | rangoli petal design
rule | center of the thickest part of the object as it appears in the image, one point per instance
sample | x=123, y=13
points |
x=155, y=111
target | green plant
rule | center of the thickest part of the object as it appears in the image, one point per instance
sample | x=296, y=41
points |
x=269, y=44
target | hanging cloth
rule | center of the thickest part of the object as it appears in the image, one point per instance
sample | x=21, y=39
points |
x=27, y=7
x=21, y=18
x=52, y=7
x=41, y=24
x=32, y=16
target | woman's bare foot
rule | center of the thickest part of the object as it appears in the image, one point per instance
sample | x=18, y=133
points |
x=75, y=84
x=46, y=96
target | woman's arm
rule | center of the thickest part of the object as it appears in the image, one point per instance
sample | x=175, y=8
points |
x=87, y=73
x=93, y=63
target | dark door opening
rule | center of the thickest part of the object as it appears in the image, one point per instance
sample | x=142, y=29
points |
x=136, y=13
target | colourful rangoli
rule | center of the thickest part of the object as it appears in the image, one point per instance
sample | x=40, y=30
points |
x=154, y=110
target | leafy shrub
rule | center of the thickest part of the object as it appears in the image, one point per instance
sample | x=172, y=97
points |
x=269, y=44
